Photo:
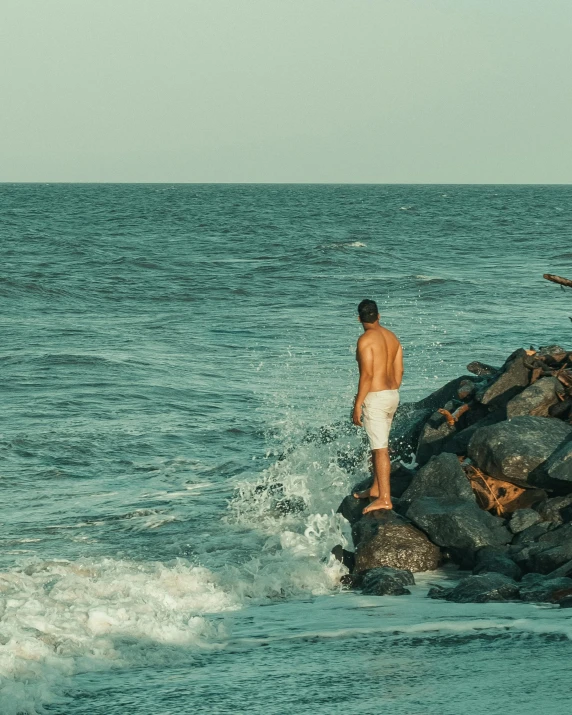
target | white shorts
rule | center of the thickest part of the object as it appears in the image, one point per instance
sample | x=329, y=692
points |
x=378, y=410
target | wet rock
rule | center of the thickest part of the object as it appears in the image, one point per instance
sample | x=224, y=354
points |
x=536, y=399
x=387, y=539
x=458, y=525
x=556, y=473
x=480, y=589
x=466, y=389
x=513, y=378
x=406, y=428
x=351, y=508
x=548, y=552
x=435, y=433
x=493, y=560
x=554, y=510
x=347, y=558
x=400, y=479
x=539, y=589
x=514, y=449
x=444, y=394
x=482, y=369
x=530, y=534
x=459, y=442
x=386, y=581
x=522, y=519
x=442, y=476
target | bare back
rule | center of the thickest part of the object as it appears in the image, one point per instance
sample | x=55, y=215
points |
x=381, y=350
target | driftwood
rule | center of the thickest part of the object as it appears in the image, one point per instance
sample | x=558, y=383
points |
x=453, y=417
x=558, y=279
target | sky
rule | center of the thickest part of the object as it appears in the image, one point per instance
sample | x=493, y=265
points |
x=342, y=91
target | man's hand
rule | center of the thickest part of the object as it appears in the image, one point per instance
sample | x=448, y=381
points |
x=356, y=417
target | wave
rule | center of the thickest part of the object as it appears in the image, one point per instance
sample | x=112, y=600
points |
x=59, y=618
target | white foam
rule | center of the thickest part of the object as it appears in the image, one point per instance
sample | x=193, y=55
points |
x=58, y=618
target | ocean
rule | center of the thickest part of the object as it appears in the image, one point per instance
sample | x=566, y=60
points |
x=177, y=378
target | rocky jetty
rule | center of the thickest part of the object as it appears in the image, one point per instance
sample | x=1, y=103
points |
x=490, y=488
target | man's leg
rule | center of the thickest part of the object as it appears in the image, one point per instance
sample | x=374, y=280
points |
x=381, y=472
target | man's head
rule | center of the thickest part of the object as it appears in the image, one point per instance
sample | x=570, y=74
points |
x=367, y=311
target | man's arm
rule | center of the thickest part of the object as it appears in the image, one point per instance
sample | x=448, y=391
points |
x=398, y=365
x=364, y=356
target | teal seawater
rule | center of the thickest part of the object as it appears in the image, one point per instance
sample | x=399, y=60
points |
x=167, y=349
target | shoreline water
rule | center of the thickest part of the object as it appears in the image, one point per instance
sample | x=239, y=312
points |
x=133, y=414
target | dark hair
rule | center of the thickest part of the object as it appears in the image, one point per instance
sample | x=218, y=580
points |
x=368, y=311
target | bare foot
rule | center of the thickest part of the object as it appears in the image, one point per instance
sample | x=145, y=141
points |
x=366, y=494
x=378, y=504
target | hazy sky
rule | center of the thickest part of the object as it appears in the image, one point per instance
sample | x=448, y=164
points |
x=417, y=91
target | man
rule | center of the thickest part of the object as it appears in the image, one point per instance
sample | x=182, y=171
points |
x=380, y=359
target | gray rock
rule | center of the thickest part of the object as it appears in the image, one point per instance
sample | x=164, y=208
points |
x=557, y=470
x=406, y=428
x=536, y=399
x=458, y=525
x=480, y=589
x=387, y=539
x=494, y=560
x=548, y=552
x=386, y=581
x=481, y=368
x=549, y=590
x=522, y=519
x=459, y=442
x=513, y=378
x=442, y=476
x=444, y=394
x=435, y=433
x=529, y=535
x=514, y=449
x=555, y=509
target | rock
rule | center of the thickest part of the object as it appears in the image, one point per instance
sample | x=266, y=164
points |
x=514, y=449
x=544, y=589
x=530, y=534
x=554, y=510
x=435, y=433
x=564, y=570
x=557, y=471
x=444, y=394
x=522, y=519
x=346, y=557
x=442, y=476
x=400, y=479
x=457, y=525
x=406, y=428
x=466, y=389
x=548, y=552
x=481, y=368
x=352, y=508
x=386, y=581
x=566, y=602
x=480, y=589
x=387, y=539
x=536, y=399
x=513, y=378
x=494, y=560
x=459, y=442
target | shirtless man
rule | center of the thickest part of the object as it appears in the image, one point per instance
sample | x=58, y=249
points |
x=380, y=359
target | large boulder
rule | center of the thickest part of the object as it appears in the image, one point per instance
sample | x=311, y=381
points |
x=536, y=399
x=449, y=391
x=386, y=581
x=512, y=379
x=442, y=476
x=513, y=450
x=458, y=443
x=386, y=539
x=458, y=525
x=479, y=589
